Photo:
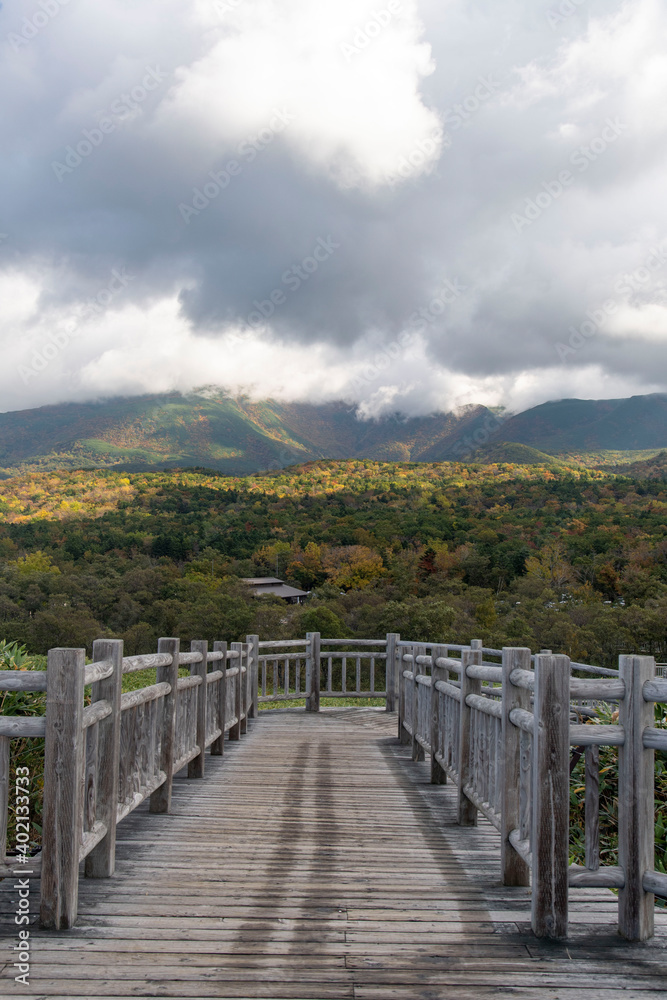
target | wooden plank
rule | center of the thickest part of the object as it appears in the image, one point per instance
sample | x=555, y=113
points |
x=196, y=767
x=160, y=800
x=438, y=773
x=469, y=685
x=636, y=809
x=4, y=795
x=551, y=796
x=514, y=869
x=218, y=746
x=286, y=874
x=235, y=730
x=62, y=822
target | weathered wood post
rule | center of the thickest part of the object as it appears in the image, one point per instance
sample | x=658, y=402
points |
x=62, y=822
x=551, y=796
x=403, y=734
x=514, y=869
x=417, y=748
x=313, y=669
x=160, y=800
x=438, y=774
x=253, y=643
x=469, y=685
x=592, y=807
x=196, y=766
x=390, y=671
x=235, y=731
x=218, y=745
x=636, y=819
x=244, y=661
x=4, y=795
x=101, y=861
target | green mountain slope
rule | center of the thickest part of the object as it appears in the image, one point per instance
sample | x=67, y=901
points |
x=212, y=429
x=237, y=436
x=570, y=425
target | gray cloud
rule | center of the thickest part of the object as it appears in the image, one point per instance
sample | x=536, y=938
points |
x=417, y=158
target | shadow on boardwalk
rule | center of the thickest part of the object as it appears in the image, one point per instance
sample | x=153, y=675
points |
x=315, y=862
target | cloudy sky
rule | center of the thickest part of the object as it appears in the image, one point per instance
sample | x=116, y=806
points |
x=413, y=205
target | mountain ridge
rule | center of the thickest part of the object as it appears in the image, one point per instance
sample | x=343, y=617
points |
x=236, y=435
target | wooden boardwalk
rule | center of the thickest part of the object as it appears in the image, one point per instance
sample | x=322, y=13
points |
x=316, y=861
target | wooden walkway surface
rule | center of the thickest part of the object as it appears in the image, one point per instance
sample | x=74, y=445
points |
x=316, y=861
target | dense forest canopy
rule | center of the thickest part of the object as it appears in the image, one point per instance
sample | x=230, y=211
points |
x=565, y=558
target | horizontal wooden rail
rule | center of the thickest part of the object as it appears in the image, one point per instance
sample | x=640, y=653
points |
x=655, y=690
x=146, y=661
x=596, y=736
x=15, y=726
x=22, y=680
x=98, y=671
x=504, y=732
x=94, y=713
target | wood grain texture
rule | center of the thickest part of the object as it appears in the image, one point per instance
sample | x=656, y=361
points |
x=218, y=746
x=317, y=861
x=62, y=822
x=160, y=800
x=196, y=767
x=636, y=825
x=551, y=796
x=514, y=869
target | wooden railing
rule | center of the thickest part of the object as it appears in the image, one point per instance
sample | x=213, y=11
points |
x=500, y=723
x=104, y=758
x=311, y=668
x=503, y=731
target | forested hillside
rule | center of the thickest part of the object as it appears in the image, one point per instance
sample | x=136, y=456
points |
x=531, y=555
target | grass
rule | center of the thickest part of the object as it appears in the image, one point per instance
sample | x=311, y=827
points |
x=325, y=703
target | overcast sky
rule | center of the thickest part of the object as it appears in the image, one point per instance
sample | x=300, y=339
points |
x=413, y=205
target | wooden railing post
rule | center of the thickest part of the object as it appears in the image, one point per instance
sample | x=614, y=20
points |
x=403, y=734
x=253, y=666
x=313, y=665
x=160, y=800
x=101, y=861
x=62, y=824
x=417, y=748
x=514, y=869
x=391, y=673
x=636, y=808
x=196, y=766
x=551, y=796
x=438, y=774
x=244, y=661
x=218, y=746
x=469, y=685
x=235, y=731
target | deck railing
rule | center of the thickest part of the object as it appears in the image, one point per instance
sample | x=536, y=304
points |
x=293, y=669
x=500, y=723
x=104, y=758
x=503, y=731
